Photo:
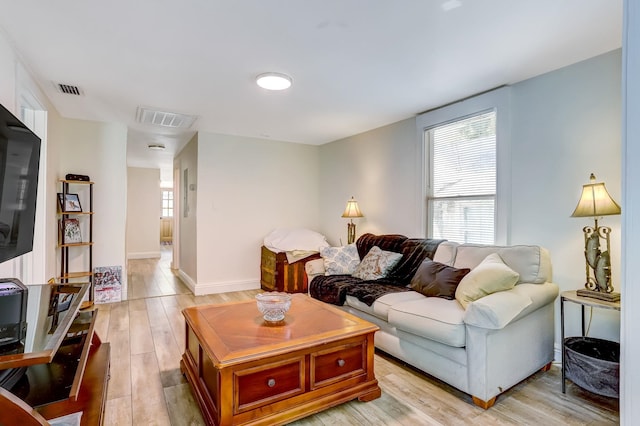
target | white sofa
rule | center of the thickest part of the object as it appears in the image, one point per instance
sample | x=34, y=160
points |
x=495, y=343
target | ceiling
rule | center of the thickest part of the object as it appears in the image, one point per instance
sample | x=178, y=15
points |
x=356, y=64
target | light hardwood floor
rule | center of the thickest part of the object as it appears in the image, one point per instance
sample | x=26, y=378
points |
x=153, y=277
x=147, y=388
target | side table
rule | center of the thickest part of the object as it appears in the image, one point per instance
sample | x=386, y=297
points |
x=572, y=296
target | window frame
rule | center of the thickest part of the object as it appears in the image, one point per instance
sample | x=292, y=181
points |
x=162, y=200
x=499, y=101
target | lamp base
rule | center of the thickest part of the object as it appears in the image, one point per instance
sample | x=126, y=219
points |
x=608, y=297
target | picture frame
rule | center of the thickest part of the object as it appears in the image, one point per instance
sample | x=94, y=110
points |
x=70, y=231
x=69, y=202
x=107, y=285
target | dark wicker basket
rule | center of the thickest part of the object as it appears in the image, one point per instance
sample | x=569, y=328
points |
x=593, y=364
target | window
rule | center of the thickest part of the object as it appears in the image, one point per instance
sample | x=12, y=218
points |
x=167, y=203
x=461, y=200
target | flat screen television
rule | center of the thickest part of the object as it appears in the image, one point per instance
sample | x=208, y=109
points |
x=19, y=163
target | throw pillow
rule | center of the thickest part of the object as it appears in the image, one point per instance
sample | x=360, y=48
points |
x=490, y=276
x=434, y=279
x=376, y=264
x=340, y=260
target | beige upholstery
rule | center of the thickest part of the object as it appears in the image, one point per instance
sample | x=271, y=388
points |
x=484, y=350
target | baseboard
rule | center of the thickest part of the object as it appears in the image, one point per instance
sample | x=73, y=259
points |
x=186, y=279
x=557, y=353
x=225, y=287
x=144, y=255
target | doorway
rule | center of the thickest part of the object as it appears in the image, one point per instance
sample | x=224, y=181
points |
x=166, y=220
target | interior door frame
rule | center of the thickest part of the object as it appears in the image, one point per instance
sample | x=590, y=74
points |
x=175, y=261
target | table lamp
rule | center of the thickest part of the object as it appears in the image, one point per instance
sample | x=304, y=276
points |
x=595, y=202
x=350, y=212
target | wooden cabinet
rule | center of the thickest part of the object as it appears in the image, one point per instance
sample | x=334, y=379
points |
x=65, y=370
x=245, y=371
x=277, y=274
x=75, y=210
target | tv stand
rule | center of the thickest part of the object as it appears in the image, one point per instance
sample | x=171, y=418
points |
x=76, y=380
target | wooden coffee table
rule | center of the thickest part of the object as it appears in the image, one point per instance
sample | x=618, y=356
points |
x=246, y=371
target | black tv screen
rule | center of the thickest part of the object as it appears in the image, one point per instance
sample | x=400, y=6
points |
x=19, y=163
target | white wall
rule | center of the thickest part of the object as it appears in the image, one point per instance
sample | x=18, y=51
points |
x=565, y=124
x=99, y=151
x=381, y=169
x=187, y=159
x=630, y=341
x=8, y=63
x=15, y=82
x=143, y=213
x=246, y=188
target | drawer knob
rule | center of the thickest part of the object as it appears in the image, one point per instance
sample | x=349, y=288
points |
x=271, y=382
x=341, y=362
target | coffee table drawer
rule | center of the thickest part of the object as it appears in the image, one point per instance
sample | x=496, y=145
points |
x=337, y=363
x=268, y=383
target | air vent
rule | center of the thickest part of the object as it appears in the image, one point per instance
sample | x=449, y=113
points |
x=69, y=89
x=164, y=118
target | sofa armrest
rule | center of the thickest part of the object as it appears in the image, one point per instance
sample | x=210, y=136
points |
x=313, y=268
x=497, y=310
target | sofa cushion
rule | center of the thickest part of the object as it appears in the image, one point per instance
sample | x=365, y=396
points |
x=380, y=308
x=437, y=279
x=376, y=264
x=496, y=310
x=490, y=276
x=387, y=242
x=446, y=252
x=340, y=260
x=431, y=317
x=531, y=262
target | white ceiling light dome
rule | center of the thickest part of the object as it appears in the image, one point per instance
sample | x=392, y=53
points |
x=274, y=81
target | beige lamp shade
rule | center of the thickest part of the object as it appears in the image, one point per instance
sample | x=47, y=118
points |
x=595, y=201
x=352, y=209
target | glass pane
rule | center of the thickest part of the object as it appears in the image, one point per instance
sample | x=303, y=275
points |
x=464, y=221
x=464, y=157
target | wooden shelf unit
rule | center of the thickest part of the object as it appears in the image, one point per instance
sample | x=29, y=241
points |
x=87, y=244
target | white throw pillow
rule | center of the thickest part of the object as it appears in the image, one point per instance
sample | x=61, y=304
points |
x=376, y=264
x=490, y=276
x=340, y=260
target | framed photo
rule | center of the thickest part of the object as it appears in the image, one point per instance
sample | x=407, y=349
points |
x=70, y=231
x=64, y=301
x=69, y=202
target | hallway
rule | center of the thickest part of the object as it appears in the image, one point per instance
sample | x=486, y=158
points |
x=154, y=277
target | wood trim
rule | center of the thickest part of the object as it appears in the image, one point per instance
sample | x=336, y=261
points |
x=93, y=390
x=484, y=404
x=14, y=411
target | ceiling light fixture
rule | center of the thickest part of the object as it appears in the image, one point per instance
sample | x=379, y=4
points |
x=274, y=81
x=156, y=146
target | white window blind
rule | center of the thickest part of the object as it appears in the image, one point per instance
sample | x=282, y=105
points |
x=462, y=194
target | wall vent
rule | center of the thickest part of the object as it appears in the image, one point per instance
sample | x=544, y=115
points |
x=163, y=118
x=69, y=89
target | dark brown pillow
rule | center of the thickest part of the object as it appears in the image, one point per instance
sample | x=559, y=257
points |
x=437, y=279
